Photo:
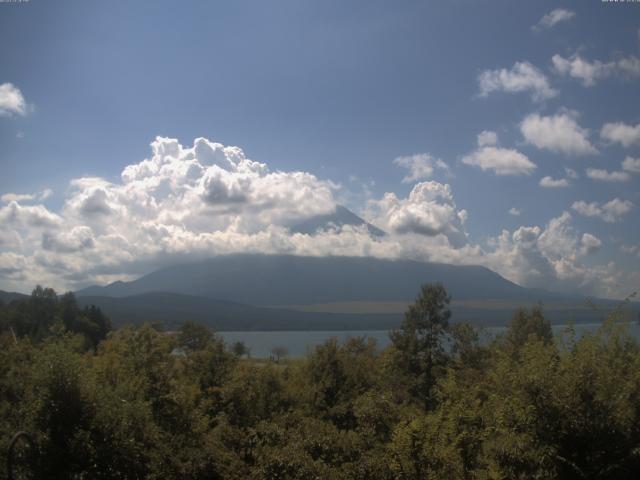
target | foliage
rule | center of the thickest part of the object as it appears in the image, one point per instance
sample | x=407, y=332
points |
x=438, y=403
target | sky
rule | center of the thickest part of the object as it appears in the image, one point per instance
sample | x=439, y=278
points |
x=139, y=134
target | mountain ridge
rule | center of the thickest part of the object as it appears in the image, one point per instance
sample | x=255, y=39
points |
x=258, y=279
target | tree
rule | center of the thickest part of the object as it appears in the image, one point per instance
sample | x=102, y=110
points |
x=240, y=349
x=526, y=326
x=418, y=344
x=279, y=352
x=194, y=336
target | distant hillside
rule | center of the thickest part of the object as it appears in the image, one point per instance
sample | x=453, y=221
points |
x=6, y=297
x=326, y=293
x=173, y=309
x=293, y=280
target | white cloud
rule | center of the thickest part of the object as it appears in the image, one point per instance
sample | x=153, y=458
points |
x=11, y=100
x=590, y=72
x=589, y=244
x=522, y=77
x=421, y=166
x=548, y=182
x=605, y=176
x=502, y=161
x=78, y=238
x=26, y=197
x=610, y=212
x=631, y=165
x=558, y=133
x=487, y=138
x=619, y=132
x=429, y=210
x=20, y=216
x=188, y=203
x=550, y=257
x=554, y=17
x=515, y=211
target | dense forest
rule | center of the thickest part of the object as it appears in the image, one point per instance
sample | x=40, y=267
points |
x=140, y=403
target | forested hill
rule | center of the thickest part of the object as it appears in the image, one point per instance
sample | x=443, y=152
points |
x=6, y=297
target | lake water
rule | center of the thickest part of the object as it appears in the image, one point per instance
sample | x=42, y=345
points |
x=299, y=343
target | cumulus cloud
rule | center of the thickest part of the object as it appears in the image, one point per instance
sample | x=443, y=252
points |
x=589, y=244
x=558, y=133
x=549, y=182
x=78, y=238
x=549, y=256
x=26, y=197
x=610, y=212
x=601, y=175
x=522, y=77
x=429, y=210
x=619, y=132
x=515, y=211
x=502, y=161
x=554, y=17
x=590, y=72
x=632, y=165
x=12, y=266
x=11, y=100
x=184, y=203
x=421, y=166
x=23, y=216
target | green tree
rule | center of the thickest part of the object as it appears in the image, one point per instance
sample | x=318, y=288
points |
x=418, y=346
x=194, y=336
x=240, y=349
x=527, y=326
x=279, y=352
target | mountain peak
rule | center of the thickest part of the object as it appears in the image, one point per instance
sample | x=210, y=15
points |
x=340, y=217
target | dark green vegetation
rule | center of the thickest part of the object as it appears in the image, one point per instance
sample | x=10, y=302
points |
x=142, y=404
x=230, y=292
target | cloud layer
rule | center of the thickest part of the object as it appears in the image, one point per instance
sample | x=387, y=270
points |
x=185, y=203
x=611, y=211
x=590, y=72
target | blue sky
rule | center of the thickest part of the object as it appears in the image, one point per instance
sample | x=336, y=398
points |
x=339, y=90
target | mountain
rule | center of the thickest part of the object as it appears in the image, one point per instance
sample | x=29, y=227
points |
x=7, y=297
x=340, y=217
x=293, y=280
x=284, y=292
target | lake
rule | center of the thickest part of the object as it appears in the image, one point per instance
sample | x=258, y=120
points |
x=298, y=343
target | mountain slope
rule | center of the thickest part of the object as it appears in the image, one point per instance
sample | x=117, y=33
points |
x=292, y=280
x=6, y=297
x=340, y=217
